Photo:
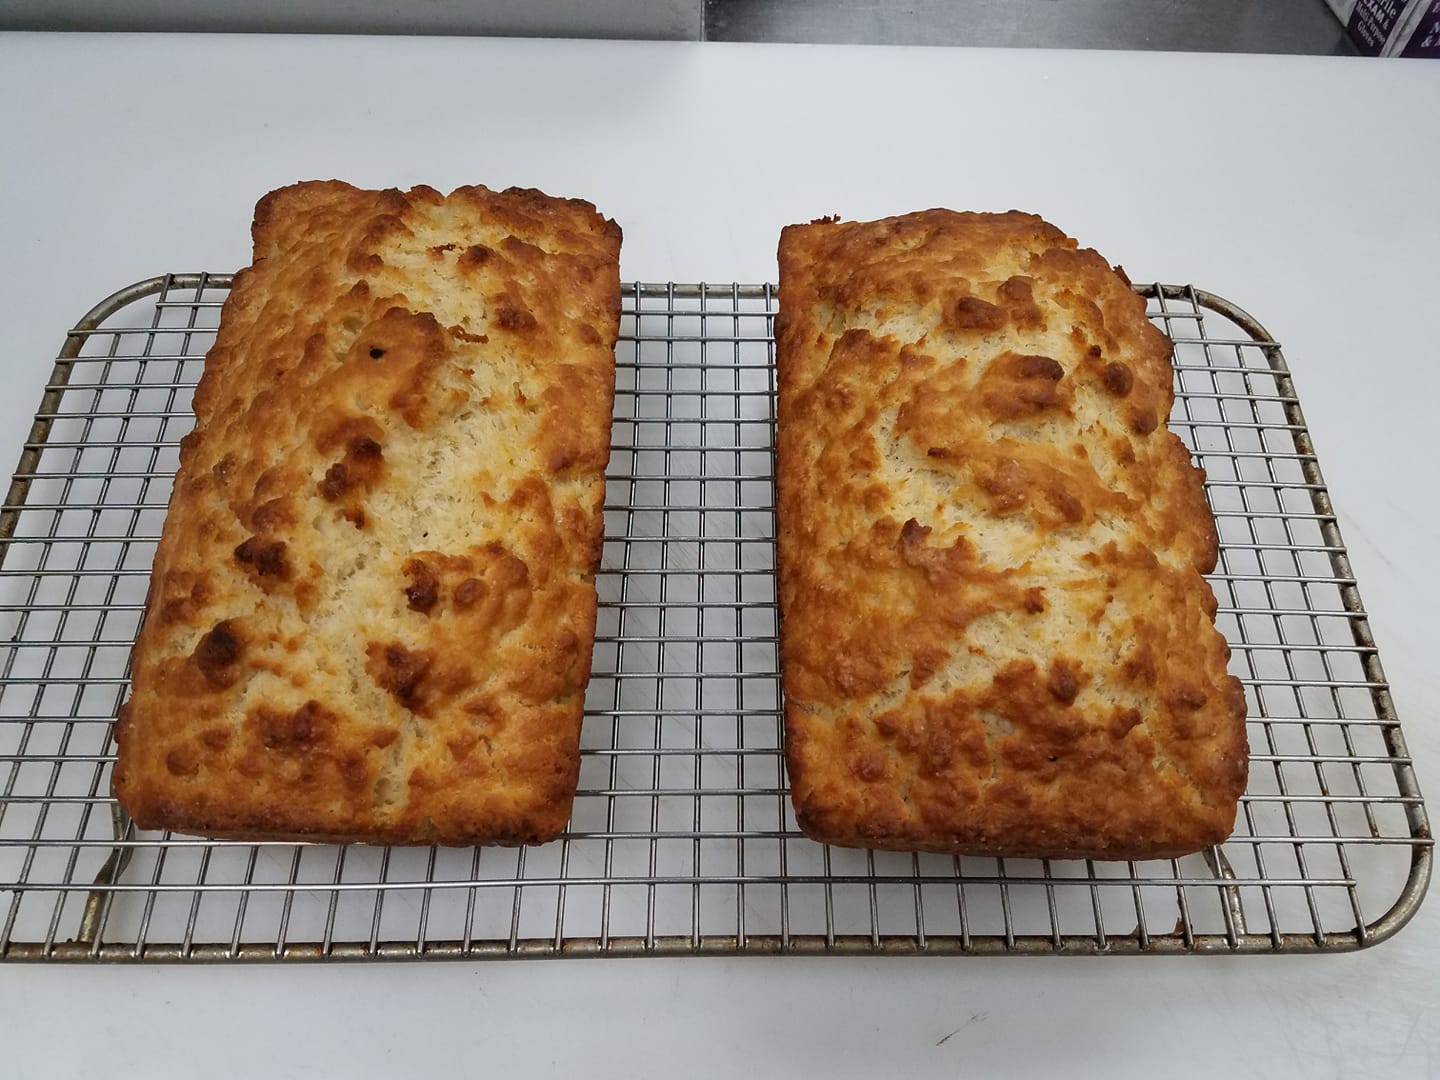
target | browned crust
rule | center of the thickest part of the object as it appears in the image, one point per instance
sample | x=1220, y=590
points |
x=995, y=634
x=373, y=606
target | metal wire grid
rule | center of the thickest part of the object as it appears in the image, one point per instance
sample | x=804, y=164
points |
x=682, y=839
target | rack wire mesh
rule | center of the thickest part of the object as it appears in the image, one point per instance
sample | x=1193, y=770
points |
x=682, y=840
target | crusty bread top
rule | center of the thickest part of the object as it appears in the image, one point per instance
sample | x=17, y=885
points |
x=995, y=633
x=372, y=607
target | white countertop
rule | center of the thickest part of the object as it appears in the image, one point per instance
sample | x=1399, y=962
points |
x=1301, y=188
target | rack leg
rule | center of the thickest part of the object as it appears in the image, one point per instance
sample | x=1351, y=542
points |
x=97, y=904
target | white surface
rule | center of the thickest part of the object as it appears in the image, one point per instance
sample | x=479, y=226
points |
x=1294, y=186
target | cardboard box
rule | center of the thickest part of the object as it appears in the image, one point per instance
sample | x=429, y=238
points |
x=1391, y=27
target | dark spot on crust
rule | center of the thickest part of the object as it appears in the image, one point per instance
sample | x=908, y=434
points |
x=424, y=589
x=1125, y=719
x=937, y=452
x=1063, y=685
x=911, y=357
x=293, y=730
x=364, y=448
x=364, y=262
x=216, y=653
x=184, y=608
x=485, y=711
x=1143, y=422
x=222, y=468
x=469, y=591
x=1139, y=667
x=377, y=353
x=383, y=737
x=461, y=745
x=1188, y=698
x=561, y=458
x=972, y=313
x=1017, y=290
x=1008, y=486
x=216, y=738
x=925, y=661
x=336, y=482
x=267, y=557
x=869, y=767
x=355, y=515
x=1095, y=352
x=1068, y=506
x=408, y=668
x=218, y=647
x=398, y=670
x=346, y=431
x=181, y=762
x=1019, y=296
x=352, y=768
x=440, y=249
x=1021, y=384
x=473, y=256
x=1035, y=599
x=589, y=334
x=1026, y=366
x=511, y=570
x=515, y=319
x=526, y=251
x=363, y=458
x=912, y=533
x=1118, y=378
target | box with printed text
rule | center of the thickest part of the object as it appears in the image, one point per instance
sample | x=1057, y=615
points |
x=1391, y=27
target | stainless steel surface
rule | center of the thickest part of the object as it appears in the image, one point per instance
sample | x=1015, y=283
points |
x=683, y=840
x=1258, y=26
x=1247, y=26
x=676, y=20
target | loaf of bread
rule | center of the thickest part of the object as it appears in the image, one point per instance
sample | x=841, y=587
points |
x=995, y=634
x=373, y=602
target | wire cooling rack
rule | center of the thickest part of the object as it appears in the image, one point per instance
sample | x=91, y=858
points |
x=683, y=839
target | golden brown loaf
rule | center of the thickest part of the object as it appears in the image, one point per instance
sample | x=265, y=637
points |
x=995, y=635
x=373, y=604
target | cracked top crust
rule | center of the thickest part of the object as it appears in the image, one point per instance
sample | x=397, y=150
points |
x=995, y=633
x=373, y=603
